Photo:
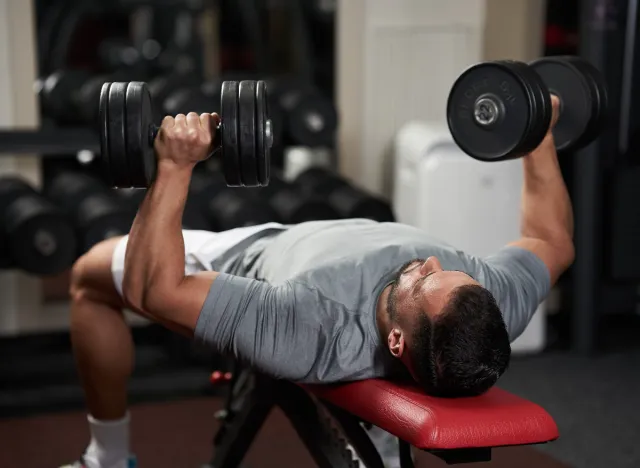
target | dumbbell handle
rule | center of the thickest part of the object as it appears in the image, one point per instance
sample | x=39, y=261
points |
x=215, y=145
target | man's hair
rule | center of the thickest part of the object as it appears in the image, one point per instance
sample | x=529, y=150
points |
x=464, y=349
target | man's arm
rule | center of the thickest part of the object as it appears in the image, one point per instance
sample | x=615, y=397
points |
x=154, y=278
x=547, y=216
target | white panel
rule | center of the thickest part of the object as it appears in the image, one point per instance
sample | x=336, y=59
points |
x=426, y=12
x=409, y=73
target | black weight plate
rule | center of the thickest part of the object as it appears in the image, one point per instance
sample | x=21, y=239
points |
x=313, y=121
x=247, y=124
x=41, y=239
x=100, y=217
x=166, y=85
x=540, y=111
x=103, y=130
x=11, y=188
x=263, y=147
x=351, y=202
x=117, y=136
x=567, y=82
x=230, y=134
x=140, y=150
x=498, y=81
x=58, y=90
x=600, y=99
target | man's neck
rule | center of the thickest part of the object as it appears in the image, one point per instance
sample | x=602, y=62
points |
x=382, y=315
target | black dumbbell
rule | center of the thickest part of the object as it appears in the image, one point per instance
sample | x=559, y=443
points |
x=293, y=206
x=192, y=217
x=227, y=208
x=98, y=214
x=347, y=200
x=128, y=131
x=502, y=110
x=310, y=118
x=37, y=236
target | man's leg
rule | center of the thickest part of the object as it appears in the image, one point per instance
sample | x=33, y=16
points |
x=103, y=350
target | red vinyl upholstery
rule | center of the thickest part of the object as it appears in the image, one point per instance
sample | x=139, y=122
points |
x=494, y=419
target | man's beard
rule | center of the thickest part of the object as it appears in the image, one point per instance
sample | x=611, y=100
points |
x=392, y=298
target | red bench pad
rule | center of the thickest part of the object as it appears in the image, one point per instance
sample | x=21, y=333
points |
x=494, y=419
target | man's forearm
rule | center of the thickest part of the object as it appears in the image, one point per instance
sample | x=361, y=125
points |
x=547, y=213
x=154, y=261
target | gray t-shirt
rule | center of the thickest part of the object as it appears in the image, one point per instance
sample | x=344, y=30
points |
x=300, y=304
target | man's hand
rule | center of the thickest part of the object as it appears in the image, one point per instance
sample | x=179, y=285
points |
x=184, y=141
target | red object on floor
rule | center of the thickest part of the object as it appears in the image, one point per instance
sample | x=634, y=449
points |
x=494, y=419
x=218, y=377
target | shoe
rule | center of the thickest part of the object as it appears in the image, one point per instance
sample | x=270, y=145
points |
x=132, y=462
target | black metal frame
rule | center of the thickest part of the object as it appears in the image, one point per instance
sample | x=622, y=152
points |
x=252, y=396
x=49, y=141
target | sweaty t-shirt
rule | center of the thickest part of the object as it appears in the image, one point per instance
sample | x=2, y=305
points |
x=301, y=304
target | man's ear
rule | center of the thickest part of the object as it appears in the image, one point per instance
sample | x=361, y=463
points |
x=395, y=342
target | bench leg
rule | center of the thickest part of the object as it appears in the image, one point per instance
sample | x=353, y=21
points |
x=322, y=440
x=241, y=425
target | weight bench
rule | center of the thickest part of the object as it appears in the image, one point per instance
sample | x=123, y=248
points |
x=461, y=430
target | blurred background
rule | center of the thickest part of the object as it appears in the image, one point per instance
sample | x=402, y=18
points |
x=357, y=95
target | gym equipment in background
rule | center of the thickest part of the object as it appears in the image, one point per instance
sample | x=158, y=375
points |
x=502, y=110
x=97, y=213
x=35, y=236
x=348, y=200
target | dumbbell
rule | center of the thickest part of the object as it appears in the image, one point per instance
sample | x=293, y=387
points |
x=70, y=96
x=98, y=214
x=347, y=200
x=37, y=237
x=310, y=118
x=293, y=206
x=128, y=131
x=192, y=217
x=227, y=208
x=502, y=110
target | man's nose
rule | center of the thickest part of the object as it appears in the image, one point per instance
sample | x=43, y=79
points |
x=430, y=265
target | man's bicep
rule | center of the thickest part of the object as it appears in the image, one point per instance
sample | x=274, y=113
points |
x=257, y=324
x=520, y=281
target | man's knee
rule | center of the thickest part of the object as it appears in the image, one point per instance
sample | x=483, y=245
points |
x=91, y=276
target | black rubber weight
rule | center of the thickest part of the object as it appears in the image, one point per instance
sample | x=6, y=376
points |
x=229, y=132
x=117, y=135
x=263, y=151
x=137, y=138
x=103, y=111
x=247, y=123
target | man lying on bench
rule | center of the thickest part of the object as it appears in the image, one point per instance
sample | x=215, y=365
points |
x=318, y=302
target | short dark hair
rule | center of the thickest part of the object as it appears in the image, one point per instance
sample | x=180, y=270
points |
x=464, y=349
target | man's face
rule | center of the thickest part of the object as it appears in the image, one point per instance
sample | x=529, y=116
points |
x=420, y=287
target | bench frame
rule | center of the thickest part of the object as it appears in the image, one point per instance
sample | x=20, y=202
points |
x=251, y=397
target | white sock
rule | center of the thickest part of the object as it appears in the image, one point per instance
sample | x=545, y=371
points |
x=109, y=446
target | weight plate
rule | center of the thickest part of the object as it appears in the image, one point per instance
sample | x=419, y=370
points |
x=164, y=86
x=599, y=99
x=117, y=136
x=263, y=147
x=140, y=149
x=247, y=124
x=313, y=121
x=99, y=217
x=489, y=111
x=541, y=108
x=57, y=93
x=566, y=81
x=103, y=130
x=41, y=239
x=229, y=134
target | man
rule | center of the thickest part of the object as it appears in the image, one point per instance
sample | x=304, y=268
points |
x=317, y=302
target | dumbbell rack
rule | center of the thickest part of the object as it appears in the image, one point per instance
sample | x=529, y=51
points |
x=49, y=141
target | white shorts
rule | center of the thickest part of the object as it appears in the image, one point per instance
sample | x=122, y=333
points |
x=201, y=248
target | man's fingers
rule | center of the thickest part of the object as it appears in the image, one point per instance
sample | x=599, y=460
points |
x=168, y=122
x=216, y=119
x=205, y=120
x=555, y=113
x=180, y=120
x=193, y=120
